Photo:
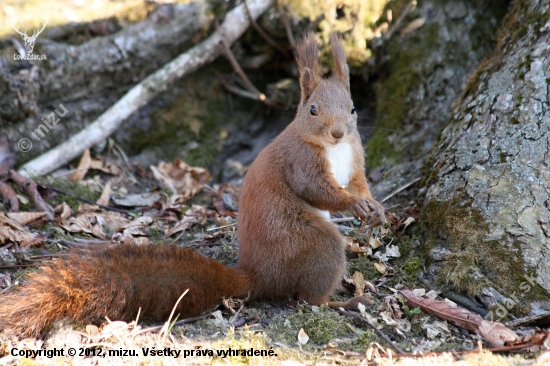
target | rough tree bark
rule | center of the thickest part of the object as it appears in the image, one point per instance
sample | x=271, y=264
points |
x=423, y=73
x=88, y=78
x=486, y=204
x=427, y=68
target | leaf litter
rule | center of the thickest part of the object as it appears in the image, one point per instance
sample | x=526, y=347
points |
x=171, y=203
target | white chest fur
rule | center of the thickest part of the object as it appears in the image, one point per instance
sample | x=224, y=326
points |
x=340, y=158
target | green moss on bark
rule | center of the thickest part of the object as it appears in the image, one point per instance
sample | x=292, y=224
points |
x=411, y=94
x=475, y=261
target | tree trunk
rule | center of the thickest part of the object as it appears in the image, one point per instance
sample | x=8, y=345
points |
x=486, y=205
x=426, y=70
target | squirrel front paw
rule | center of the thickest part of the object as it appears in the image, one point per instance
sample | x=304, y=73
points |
x=370, y=211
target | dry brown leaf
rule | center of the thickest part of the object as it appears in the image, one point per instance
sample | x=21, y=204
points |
x=408, y=221
x=302, y=336
x=380, y=267
x=63, y=211
x=84, y=208
x=105, y=166
x=83, y=167
x=85, y=225
x=138, y=225
x=110, y=221
x=138, y=199
x=419, y=292
x=497, y=333
x=183, y=180
x=374, y=242
x=494, y=332
x=105, y=195
x=192, y=216
x=437, y=328
x=9, y=197
x=391, y=304
x=412, y=26
x=371, y=287
x=31, y=188
x=10, y=231
x=24, y=218
x=359, y=281
x=126, y=237
x=399, y=325
x=354, y=247
x=96, y=164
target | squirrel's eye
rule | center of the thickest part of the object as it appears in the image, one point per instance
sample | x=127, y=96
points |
x=313, y=111
x=352, y=109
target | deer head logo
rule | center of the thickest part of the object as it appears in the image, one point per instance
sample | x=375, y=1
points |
x=29, y=40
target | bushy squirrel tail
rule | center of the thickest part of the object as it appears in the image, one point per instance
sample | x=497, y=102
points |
x=115, y=282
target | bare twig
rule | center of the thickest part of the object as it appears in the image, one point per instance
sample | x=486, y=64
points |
x=233, y=26
x=263, y=34
x=529, y=320
x=76, y=244
x=240, y=71
x=108, y=208
x=378, y=331
x=399, y=21
x=240, y=92
x=220, y=227
x=179, y=322
x=403, y=187
x=177, y=238
x=288, y=29
x=121, y=154
x=166, y=326
x=246, y=94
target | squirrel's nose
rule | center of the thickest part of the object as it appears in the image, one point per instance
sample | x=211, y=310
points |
x=337, y=133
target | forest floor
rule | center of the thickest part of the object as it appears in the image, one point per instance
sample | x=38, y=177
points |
x=108, y=200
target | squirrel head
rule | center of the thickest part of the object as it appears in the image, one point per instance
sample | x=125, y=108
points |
x=326, y=115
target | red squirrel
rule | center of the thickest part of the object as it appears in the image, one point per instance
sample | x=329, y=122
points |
x=287, y=245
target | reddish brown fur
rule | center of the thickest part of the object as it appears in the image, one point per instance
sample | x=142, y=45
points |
x=117, y=281
x=287, y=248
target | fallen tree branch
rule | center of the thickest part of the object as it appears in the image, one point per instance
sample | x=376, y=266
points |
x=234, y=25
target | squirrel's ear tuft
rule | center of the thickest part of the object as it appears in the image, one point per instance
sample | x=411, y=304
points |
x=341, y=66
x=307, y=57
